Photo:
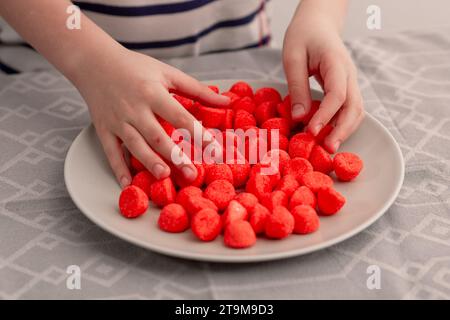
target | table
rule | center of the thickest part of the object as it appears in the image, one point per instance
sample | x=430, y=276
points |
x=406, y=85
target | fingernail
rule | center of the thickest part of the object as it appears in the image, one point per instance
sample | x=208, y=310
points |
x=336, y=145
x=298, y=111
x=124, y=181
x=158, y=171
x=189, y=173
x=316, y=129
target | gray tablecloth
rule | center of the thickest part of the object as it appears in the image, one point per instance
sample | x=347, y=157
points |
x=405, y=80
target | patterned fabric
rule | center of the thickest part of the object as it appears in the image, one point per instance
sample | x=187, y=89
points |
x=405, y=83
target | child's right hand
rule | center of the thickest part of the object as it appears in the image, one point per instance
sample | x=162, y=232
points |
x=124, y=95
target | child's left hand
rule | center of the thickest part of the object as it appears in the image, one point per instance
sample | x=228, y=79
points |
x=313, y=47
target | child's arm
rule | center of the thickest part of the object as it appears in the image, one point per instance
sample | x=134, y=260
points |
x=313, y=47
x=124, y=90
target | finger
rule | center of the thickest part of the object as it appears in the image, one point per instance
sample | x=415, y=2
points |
x=298, y=82
x=335, y=89
x=194, y=89
x=158, y=139
x=114, y=153
x=171, y=110
x=348, y=118
x=136, y=144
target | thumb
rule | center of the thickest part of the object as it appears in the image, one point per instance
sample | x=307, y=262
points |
x=298, y=82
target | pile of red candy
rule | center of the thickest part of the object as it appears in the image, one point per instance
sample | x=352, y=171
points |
x=237, y=199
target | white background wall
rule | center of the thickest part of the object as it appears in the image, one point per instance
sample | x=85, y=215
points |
x=395, y=15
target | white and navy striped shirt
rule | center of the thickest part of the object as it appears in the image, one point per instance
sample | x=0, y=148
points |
x=160, y=28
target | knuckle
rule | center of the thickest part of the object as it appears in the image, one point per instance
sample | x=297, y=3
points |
x=297, y=85
x=155, y=140
x=340, y=96
x=130, y=138
x=185, y=120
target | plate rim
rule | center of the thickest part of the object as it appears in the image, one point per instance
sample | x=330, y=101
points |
x=217, y=258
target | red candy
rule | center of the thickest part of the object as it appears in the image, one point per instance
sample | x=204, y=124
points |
x=275, y=199
x=219, y=171
x=211, y=117
x=246, y=104
x=283, y=142
x=265, y=111
x=277, y=156
x=324, y=133
x=329, y=201
x=173, y=218
x=242, y=89
x=302, y=195
x=187, y=103
x=228, y=119
x=347, y=166
x=258, y=218
x=240, y=173
x=221, y=192
x=316, y=181
x=297, y=167
x=266, y=94
x=133, y=202
x=143, y=180
x=277, y=123
x=163, y=192
x=196, y=203
x=321, y=160
x=239, y=234
x=235, y=211
x=166, y=125
x=306, y=219
x=301, y=145
x=288, y=184
x=243, y=119
x=187, y=192
x=269, y=170
x=279, y=224
x=233, y=97
x=214, y=88
x=285, y=110
x=135, y=164
x=182, y=182
x=287, y=187
x=206, y=224
x=259, y=185
x=248, y=200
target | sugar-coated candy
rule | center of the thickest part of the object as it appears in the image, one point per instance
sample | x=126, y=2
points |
x=239, y=234
x=329, y=201
x=303, y=195
x=173, y=218
x=221, y=192
x=133, y=202
x=347, y=166
x=306, y=219
x=279, y=224
x=143, y=180
x=206, y=224
x=163, y=192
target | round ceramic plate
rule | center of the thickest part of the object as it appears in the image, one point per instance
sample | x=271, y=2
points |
x=94, y=190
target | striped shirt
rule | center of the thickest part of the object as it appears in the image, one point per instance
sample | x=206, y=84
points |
x=160, y=28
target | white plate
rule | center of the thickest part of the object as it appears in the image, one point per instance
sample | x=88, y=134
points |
x=94, y=190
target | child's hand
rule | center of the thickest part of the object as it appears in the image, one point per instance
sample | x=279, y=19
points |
x=313, y=47
x=124, y=95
